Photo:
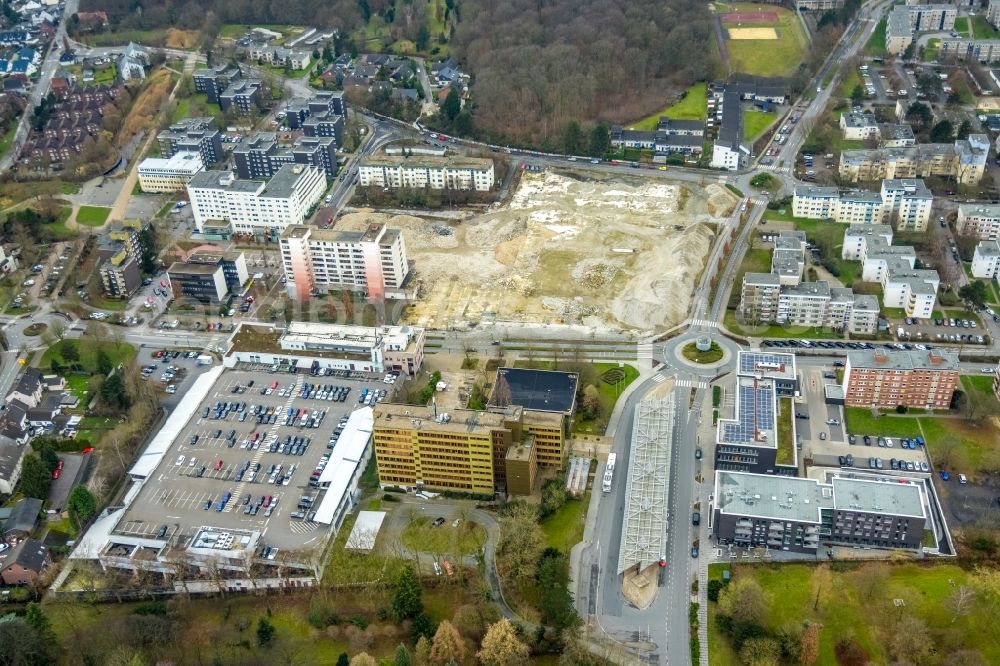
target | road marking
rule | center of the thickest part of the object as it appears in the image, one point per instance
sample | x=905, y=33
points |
x=659, y=379
x=688, y=383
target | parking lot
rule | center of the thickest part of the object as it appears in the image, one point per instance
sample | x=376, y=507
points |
x=246, y=459
x=821, y=429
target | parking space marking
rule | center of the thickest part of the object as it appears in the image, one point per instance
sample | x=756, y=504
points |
x=271, y=432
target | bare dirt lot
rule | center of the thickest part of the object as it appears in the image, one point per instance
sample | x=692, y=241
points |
x=617, y=252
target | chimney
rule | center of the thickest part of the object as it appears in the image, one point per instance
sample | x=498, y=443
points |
x=935, y=359
x=881, y=358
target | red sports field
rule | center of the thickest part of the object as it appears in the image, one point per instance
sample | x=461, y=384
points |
x=750, y=17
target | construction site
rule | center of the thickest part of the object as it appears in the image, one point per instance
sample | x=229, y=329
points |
x=608, y=252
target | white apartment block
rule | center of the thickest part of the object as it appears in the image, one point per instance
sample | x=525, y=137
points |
x=256, y=207
x=979, y=220
x=812, y=202
x=788, y=261
x=906, y=203
x=319, y=261
x=878, y=257
x=964, y=160
x=157, y=174
x=804, y=304
x=915, y=291
x=859, y=126
x=759, y=297
x=860, y=207
x=986, y=260
x=855, y=240
x=419, y=172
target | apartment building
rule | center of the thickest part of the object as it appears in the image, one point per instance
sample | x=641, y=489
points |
x=462, y=450
x=759, y=297
x=906, y=203
x=885, y=379
x=856, y=240
x=243, y=96
x=859, y=126
x=993, y=13
x=979, y=220
x=860, y=207
x=670, y=137
x=788, y=261
x=804, y=304
x=322, y=103
x=986, y=260
x=893, y=135
x=120, y=275
x=197, y=135
x=818, y=5
x=965, y=161
x=318, y=261
x=119, y=253
x=905, y=20
x=419, y=172
x=214, y=80
x=894, y=267
x=252, y=206
x=171, y=174
x=967, y=48
x=260, y=156
x=801, y=514
x=210, y=278
x=814, y=202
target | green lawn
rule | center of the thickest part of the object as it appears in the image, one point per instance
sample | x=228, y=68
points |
x=693, y=106
x=163, y=212
x=117, y=352
x=962, y=25
x=466, y=539
x=786, y=443
x=147, y=37
x=778, y=330
x=7, y=138
x=981, y=388
x=608, y=396
x=92, y=216
x=851, y=79
x=756, y=122
x=106, y=76
x=859, y=421
x=829, y=238
x=59, y=228
x=768, y=57
x=196, y=105
x=564, y=528
x=845, y=608
x=931, y=50
x=875, y=46
x=982, y=28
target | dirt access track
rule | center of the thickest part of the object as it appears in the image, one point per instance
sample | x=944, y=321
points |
x=612, y=253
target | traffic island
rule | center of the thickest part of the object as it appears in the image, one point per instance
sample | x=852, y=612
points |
x=35, y=329
x=703, y=351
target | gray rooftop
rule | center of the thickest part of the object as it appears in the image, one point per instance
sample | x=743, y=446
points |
x=854, y=120
x=912, y=187
x=979, y=210
x=865, y=302
x=803, y=499
x=764, y=279
x=224, y=180
x=818, y=289
x=988, y=248
x=892, y=359
x=868, y=230
x=283, y=183
x=816, y=191
x=862, y=196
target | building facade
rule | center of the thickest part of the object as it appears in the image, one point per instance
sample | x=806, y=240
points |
x=209, y=278
x=885, y=379
x=986, y=260
x=964, y=161
x=259, y=157
x=979, y=220
x=799, y=514
x=255, y=207
x=318, y=261
x=419, y=172
x=171, y=174
x=197, y=135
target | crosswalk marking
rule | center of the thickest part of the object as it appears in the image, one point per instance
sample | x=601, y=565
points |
x=775, y=168
x=688, y=383
x=707, y=323
x=659, y=379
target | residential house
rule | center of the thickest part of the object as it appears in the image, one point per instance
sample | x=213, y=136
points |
x=24, y=563
x=21, y=522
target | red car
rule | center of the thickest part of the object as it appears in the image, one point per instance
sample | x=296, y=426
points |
x=56, y=472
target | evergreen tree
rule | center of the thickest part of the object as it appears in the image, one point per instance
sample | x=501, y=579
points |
x=406, y=601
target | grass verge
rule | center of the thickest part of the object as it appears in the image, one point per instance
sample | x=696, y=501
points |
x=92, y=216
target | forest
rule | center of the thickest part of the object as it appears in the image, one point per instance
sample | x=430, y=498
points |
x=537, y=64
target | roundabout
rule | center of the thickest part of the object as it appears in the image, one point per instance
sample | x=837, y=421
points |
x=35, y=329
x=706, y=355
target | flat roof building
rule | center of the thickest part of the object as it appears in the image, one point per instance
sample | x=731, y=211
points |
x=986, y=260
x=979, y=220
x=886, y=379
x=253, y=207
x=419, y=172
x=800, y=514
x=197, y=135
x=171, y=174
x=320, y=261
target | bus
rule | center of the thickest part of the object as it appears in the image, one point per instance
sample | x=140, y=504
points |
x=609, y=472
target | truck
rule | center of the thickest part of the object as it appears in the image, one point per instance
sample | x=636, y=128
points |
x=203, y=359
